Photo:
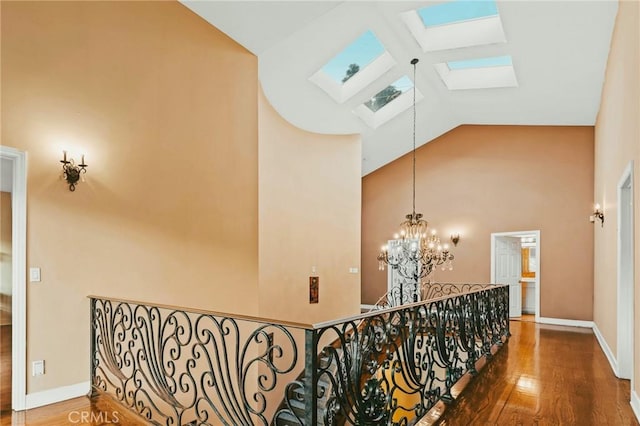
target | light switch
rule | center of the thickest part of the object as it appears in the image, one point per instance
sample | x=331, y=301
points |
x=353, y=270
x=37, y=368
x=34, y=275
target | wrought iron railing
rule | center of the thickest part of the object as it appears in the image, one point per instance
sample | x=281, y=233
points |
x=175, y=366
x=405, y=292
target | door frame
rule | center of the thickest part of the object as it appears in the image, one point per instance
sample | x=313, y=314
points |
x=494, y=236
x=19, y=275
x=625, y=282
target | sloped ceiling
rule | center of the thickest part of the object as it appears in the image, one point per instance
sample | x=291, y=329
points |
x=559, y=51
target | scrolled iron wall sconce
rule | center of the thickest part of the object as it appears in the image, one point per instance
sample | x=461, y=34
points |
x=71, y=171
x=455, y=238
x=598, y=214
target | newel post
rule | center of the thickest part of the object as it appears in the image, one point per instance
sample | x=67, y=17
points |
x=92, y=346
x=311, y=377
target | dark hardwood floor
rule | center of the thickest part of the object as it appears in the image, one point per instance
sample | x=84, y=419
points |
x=544, y=375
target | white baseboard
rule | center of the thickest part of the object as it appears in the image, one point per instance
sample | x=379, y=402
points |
x=367, y=307
x=567, y=322
x=51, y=396
x=606, y=349
x=635, y=404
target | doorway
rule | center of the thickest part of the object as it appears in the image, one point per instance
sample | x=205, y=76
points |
x=14, y=169
x=625, y=275
x=6, y=282
x=515, y=260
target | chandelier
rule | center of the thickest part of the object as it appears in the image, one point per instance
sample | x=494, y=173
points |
x=415, y=252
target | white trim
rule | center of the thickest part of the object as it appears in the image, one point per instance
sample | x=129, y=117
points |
x=51, y=396
x=565, y=322
x=476, y=78
x=366, y=306
x=635, y=404
x=19, y=270
x=538, y=257
x=606, y=349
x=625, y=309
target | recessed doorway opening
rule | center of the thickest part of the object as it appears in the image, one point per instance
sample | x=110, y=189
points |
x=515, y=260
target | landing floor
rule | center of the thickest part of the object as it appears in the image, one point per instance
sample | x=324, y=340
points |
x=545, y=375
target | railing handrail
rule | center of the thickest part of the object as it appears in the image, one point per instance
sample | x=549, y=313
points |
x=249, y=318
x=424, y=284
x=293, y=324
x=364, y=315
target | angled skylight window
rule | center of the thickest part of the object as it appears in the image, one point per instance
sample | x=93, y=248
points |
x=481, y=73
x=388, y=103
x=389, y=93
x=455, y=24
x=364, y=50
x=456, y=11
x=355, y=67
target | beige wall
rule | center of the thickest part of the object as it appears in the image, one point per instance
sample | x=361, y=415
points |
x=617, y=139
x=164, y=106
x=309, y=217
x=484, y=179
x=6, y=284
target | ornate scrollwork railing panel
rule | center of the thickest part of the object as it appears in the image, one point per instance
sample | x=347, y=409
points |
x=385, y=367
x=175, y=367
x=404, y=293
x=391, y=366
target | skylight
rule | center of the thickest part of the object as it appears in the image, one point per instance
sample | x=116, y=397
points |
x=389, y=93
x=455, y=24
x=354, y=58
x=388, y=103
x=359, y=64
x=496, y=61
x=457, y=11
x=480, y=73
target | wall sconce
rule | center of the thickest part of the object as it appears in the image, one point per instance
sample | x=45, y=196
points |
x=71, y=171
x=455, y=238
x=597, y=214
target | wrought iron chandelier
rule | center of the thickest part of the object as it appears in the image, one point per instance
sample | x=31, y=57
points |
x=415, y=251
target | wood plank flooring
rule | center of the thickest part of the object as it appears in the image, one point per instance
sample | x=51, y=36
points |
x=545, y=375
x=5, y=309
x=5, y=367
x=81, y=411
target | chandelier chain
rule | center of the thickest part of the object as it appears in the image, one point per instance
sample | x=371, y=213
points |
x=414, y=62
x=413, y=253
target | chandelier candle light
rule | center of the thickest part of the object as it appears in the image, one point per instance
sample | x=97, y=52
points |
x=415, y=252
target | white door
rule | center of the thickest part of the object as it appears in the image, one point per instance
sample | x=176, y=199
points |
x=508, y=270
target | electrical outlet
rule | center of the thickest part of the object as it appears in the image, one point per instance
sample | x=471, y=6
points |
x=37, y=368
x=353, y=270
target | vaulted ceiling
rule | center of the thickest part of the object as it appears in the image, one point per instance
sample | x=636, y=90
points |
x=559, y=51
